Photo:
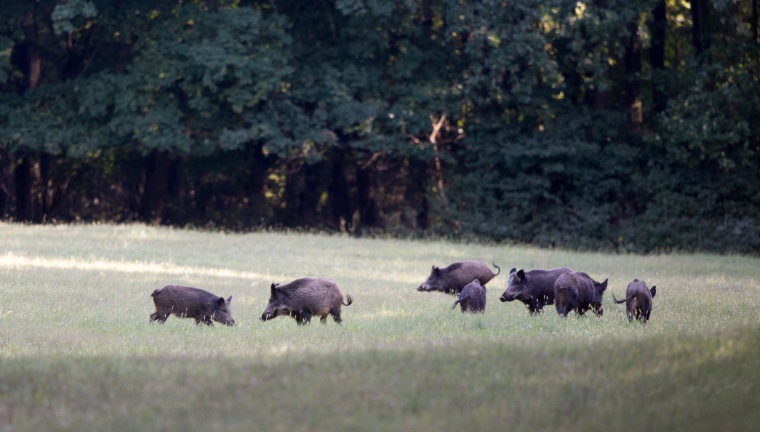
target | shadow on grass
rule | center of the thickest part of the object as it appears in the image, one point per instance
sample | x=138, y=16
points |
x=701, y=382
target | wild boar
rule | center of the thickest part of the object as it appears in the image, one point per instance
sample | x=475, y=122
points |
x=304, y=298
x=534, y=288
x=579, y=292
x=452, y=279
x=638, y=300
x=472, y=298
x=188, y=302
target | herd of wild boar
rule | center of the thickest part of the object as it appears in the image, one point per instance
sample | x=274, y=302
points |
x=306, y=297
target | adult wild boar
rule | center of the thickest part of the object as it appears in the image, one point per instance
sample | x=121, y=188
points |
x=453, y=278
x=304, y=298
x=188, y=302
x=577, y=291
x=534, y=288
x=638, y=300
x=472, y=298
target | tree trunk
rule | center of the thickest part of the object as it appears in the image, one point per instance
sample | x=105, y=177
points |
x=415, y=194
x=5, y=193
x=339, y=212
x=755, y=32
x=700, y=32
x=367, y=197
x=308, y=201
x=32, y=67
x=259, y=167
x=44, y=203
x=155, y=187
x=657, y=55
x=632, y=74
x=23, y=181
x=302, y=193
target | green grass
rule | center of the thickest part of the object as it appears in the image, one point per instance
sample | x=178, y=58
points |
x=77, y=351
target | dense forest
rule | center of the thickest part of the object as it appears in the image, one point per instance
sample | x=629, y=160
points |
x=628, y=125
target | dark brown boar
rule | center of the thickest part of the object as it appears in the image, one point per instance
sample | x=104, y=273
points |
x=452, y=279
x=472, y=298
x=534, y=288
x=577, y=291
x=188, y=302
x=638, y=300
x=303, y=298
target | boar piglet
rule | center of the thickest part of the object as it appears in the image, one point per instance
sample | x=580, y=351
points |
x=472, y=298
x=452, y=279
x=188, y=302
x=638, y=300
x=305, y=297
x=577, y=291
x=534, y=288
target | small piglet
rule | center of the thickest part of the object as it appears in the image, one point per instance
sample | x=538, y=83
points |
x=638, y=300
x=304, y=298
x=187, y=302
x=577, y=291
x=472, y=298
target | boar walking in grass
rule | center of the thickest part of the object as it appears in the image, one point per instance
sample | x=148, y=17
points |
x=638, y=300
x=577, y=291
x=452, y=279
x=472, y=298
x=187, y=302
x=534, y=288
x=304, y=298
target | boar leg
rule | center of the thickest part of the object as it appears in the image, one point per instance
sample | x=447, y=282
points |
x=303, y=317
x=645, y=318
x=336, y=316
x=160, y=317
x=538, y=305
x=563, y=309
x=529, y=305
x=205, y=320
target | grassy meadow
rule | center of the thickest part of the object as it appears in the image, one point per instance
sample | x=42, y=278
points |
x=77, y=351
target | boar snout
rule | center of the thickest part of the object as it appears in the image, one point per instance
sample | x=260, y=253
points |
x=507, y=297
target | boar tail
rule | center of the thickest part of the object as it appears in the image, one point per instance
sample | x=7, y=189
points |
x=349, y=300
x=622, y=301
x=461, y=299
x=497, y=268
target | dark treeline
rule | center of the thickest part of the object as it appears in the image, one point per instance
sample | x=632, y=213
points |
x=608, y=124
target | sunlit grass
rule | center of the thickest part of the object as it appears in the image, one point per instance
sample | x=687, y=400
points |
x=77, y=351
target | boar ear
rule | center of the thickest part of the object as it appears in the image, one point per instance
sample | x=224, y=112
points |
x=521, y=274
x=273, y=288
x=603, y=286
x=220, y=301
x=653, y=290
x=513, y=270
x=229, y=300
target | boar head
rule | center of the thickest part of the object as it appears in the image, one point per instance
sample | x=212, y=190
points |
x=277, y=305
x=435, y=282
x=596, y=301
x=222, y=312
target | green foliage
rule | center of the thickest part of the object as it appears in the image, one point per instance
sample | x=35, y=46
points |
x=534, y=121
x=70, y=15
